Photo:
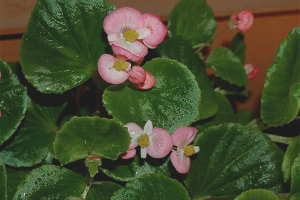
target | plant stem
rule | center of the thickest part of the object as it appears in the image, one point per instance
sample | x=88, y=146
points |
x=280, y=139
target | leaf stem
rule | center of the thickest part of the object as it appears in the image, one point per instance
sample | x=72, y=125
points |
x=280, y=139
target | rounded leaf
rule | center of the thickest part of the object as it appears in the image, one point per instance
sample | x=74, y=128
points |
x=102, y=190
x=257, y=194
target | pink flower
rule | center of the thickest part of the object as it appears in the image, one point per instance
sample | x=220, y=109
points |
x=116, y=70
x=251, y=71
x=147, y=84
x=182, y=137
x=156, y=142
x=126, y=27
x=243, y=21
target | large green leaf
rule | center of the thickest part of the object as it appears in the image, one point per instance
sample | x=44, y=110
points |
x=155, y=187
x=34, y=139
x=257, y=194
x=295, y=184
x=3, y=181
x=127, y=170
x=5, y=71
x=238, y=47
x=227, y=66
x=193, y=19
x=84, y=136
x=238, y=158
x=181, y=50
x=63, y=42
x=50, y=182
x=280, y=97
x=102, y=190
x=172, y=103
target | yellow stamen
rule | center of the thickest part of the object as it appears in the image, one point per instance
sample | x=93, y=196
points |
x=189, y=150
x=130, y=35
x=143, y=140
x=120, y=65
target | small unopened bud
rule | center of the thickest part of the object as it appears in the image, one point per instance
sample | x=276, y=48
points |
x=147, y=84
x=137, y=74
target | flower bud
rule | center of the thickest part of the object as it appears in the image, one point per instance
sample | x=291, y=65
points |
x=147, y=84
x=137, y=74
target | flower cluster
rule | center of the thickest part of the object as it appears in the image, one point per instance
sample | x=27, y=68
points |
x=130, y=34
x=157, y=142
x=251, y=71
x=242, y=21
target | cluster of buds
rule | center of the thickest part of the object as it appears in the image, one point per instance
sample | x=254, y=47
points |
x=157, y=142
x=130, y=34
x=242, y=21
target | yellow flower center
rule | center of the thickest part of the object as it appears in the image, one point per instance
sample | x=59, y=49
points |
x=120, y=65
x=130, y=35
x=143, y=140
x=189, y=150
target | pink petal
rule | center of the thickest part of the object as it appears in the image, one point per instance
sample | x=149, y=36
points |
x=128, y=154
x=135, y=131
x=136, y=48
x=249, y=68
x=147, y=84
x=160, y=143
x=183, y=136
x=148, y=127
x=119, y=51
x=114, y=37
x=123, y=19
x=245, y=20
x=143, y=32
x=108, y=73
x=137, y=74
x=158, y=30
x=181, y=163
x=254, y=73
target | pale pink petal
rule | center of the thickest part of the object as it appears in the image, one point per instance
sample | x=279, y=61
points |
x=137, y=74
x=143, y=152
x=183, y=136
x=245, y=20
x=136, y=47
x=135, y=132
x=160, y=143
x=114, y=37
x=196, y=149
x=108, y=73
x=249, y=68
x=254, y=73
x=121, y=52
x=148, y=127
x=143, y=32
x=157, y=28
x=180, y=162
x=147, y=84
x=123, y=19
x=128, y=154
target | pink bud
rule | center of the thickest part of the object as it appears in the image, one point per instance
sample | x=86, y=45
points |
x=251, y=71
x=137, y=74
x=245, y=20
x=147, y=84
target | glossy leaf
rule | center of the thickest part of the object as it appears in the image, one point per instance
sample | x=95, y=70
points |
x=295, y=184
x=181, y=50
x=244, y=117
x=3, y=181
x=102, y=190
x=5, y=72
x=280, y=97
x=63, y=42
x=34, y=139
x=193, y=19
x=238, y=158
x=238, y=47
x=50, y=182
x=155, y=186
x=257, y=194
x=172, y=103
x=227, y=66
x=84, y=136
x=130, y=169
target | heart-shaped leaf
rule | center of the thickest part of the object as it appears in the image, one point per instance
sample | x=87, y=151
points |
x=193, y=19
x=172, y=103
x=152, y=186
x=84, y=136
x=227, y=66
x=63, y=42
x=238, y=158
x=257, y=194
x=181, y=50
x=280, y=97
x=3, y=181
x=238, y=47
x=50, y=182
x=102, y=190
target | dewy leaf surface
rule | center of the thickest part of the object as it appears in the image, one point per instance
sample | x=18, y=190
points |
x=181, y=50
x=238, y=158
x=193, y=19
x=172, y=103
x=102, y=190
x=84, y=136
x=280, y=97
x=152, y=186
x=50, y=182
x=228, y=66
x=295, y=184
x=63, y=42
x=3, y=181
x=257, y=194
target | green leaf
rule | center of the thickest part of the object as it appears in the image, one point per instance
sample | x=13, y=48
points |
x=3, y=181
x=291, y=153
x=152, y=186
x=130, y=169
x=238, y=46
x=295, y=184
x=5, y=72
x=238, y=158
x=50, y=182
x=257, y=194
x=280, y=97
x=225, y=88
x=63, y=42
x=244, y=117
x=227, y=66
x=93, y=164
x=102, y=190
x=181, y=50
x=34, y=139
x=193, y=19
x=84, y=136
x=172, y=103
